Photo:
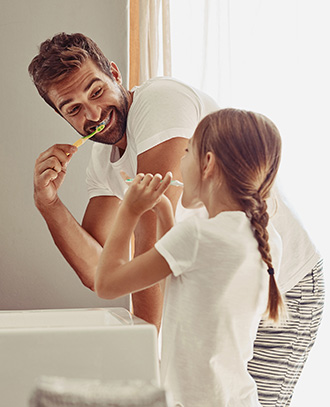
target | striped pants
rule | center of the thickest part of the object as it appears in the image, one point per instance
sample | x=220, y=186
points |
x=280, y=353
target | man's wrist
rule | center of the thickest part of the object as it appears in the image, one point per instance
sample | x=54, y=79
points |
x=49, y=208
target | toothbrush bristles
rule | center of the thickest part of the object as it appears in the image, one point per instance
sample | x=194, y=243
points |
x=102, y=124
x=99, y=128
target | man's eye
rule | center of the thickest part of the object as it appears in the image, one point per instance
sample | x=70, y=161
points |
x=72, y=111
x=97, y=93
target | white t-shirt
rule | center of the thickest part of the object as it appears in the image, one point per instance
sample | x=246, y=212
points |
x=299, y=253
x=214, y=300
x=162, y=108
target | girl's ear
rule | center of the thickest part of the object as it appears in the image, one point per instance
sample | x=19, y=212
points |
x=209, y=165
x=116, y=72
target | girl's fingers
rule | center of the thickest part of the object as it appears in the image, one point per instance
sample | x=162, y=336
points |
x=138, y=179
x=130, y=180
x=147, y=179
x=152, y=182
x=155, y=181
x=168, y=178
x=165, y=183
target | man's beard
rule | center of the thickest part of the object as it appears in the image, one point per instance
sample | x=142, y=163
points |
x=117, y=130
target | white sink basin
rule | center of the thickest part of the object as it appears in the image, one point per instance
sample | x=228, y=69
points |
x=103, y=343
x=65, y=318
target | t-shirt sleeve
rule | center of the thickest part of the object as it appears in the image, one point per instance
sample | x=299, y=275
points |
x=163, y=110
x=179, y=246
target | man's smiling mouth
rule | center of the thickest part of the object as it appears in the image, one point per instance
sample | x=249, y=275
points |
x=105, y=122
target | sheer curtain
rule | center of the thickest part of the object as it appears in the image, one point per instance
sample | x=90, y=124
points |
x=271, y=57
x=150, y=45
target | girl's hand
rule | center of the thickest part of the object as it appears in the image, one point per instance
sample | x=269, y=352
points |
x=145, y=191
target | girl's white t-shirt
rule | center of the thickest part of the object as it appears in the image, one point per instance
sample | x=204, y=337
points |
x=214, y=300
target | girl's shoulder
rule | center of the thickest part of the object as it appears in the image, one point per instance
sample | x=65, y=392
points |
x=227, y=222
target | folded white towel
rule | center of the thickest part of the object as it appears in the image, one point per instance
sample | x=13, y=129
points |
x=65, y=392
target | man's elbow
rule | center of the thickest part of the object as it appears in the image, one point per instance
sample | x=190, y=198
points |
x=87, y=282
x=105, y=292
x=90, y=286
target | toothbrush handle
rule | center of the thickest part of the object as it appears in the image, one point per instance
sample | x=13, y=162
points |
x=82, y=140
x=174, y=182
x=79, y=142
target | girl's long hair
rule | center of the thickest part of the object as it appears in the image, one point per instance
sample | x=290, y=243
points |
x=247, y=146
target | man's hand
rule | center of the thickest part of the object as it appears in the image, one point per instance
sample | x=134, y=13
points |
x=49, y=173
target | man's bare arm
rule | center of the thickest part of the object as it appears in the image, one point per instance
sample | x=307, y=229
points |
x=165, y=157
x=80, y=245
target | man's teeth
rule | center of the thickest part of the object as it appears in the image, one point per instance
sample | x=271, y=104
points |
x=106, y=121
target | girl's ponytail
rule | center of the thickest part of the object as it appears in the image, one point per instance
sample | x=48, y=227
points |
x=248, y=148
x=256, y=209
x=275, y=311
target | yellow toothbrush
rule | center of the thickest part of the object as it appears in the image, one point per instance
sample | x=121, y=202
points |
x=82, y=140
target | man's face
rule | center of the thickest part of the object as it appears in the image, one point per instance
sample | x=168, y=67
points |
x=88, y=97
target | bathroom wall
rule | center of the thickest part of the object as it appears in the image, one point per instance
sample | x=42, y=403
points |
x=33, y=274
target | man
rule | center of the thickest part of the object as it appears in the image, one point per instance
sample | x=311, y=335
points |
x=146, y=130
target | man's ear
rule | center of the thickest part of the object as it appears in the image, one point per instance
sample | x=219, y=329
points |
x=209, y=165
x=116, y=72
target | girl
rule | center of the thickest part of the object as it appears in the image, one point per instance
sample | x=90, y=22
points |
x=221, y=269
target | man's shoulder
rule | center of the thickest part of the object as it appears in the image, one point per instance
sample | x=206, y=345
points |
x=162, y=84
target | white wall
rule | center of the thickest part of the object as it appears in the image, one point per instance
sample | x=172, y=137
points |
x=33, y=274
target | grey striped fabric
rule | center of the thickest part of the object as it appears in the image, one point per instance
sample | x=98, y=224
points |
x=280, y=353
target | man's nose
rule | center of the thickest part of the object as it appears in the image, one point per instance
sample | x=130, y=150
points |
x=93, y=113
